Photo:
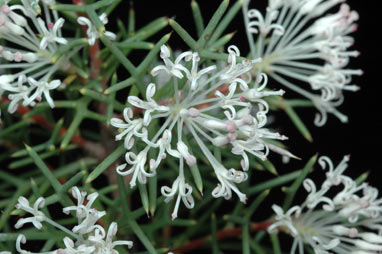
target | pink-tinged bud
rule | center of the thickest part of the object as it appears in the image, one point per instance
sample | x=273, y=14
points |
x=17, y=57
x=38, y=98
x=231, y=136
x=242, y=98
x=353, y=232
x=152, y=163
x=5, y=9
x=248, y=120
x=61, y=251
x=50, y=25
x=365, y=203
x=231, y=127
x=354, y=28
x=193, y=112
x=191, y=160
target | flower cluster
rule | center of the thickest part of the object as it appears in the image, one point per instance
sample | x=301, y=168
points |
x=33, y=36
x=214, y=107
x=349, y=221
x=89, y=236
x=308, y=47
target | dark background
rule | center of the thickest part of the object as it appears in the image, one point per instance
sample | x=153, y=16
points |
x=361, y=137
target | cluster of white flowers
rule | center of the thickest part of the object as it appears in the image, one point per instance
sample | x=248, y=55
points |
x=219, y=107
x=30, y=60
x=89, y=236
x=334, y=219
x=33, y=35
x=296, y=41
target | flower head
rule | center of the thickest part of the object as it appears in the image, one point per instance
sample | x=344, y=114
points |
x=36, y=37
x=306, y=47
x=220, y=107
x=89, y=236
x=86, y=215
x=349, y=221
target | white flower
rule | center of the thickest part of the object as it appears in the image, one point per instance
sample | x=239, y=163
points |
x=19, y=93
x=81, y=209
x=30, y=50
x=184, y=191
x=340, y=217
x=312, y=49
x=264, y=25
x=86, y=215
x=38, y=216
x=42, y=87
x=138, y=168
x=218, y=106
x=194, y=75
x=51, y=35
x=149, y=106
x=164, y=145
x=92, y=32
x=227, y=180
x=130, y=129
x=105, y=244
x=173, y=69
x=89, y=236
x=70, y=248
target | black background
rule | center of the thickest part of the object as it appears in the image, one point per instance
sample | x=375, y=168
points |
x=360, y=137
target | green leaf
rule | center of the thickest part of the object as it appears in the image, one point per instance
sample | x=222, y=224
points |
x=206, y=35
x=245, y=238
x=153, y=185
x=275, y=243
x=197, y=17
x=145, y=64
x=183, y=34
x=214, y=239
x=255, y=204
x=144, y=197
x=301, y=127
x=291, y=191
x=119, y=55
x=226, y=21
x=44, y=169
x=105, y=164
x=132, y=223
x=269, y=166
x=280, y=180
x=120, y=85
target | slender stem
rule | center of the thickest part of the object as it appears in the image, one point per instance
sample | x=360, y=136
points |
x=62, y=228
